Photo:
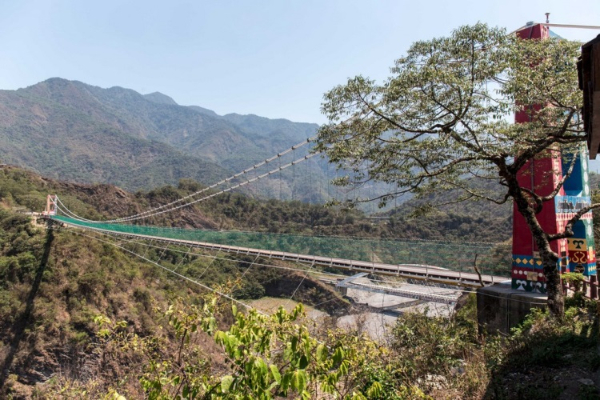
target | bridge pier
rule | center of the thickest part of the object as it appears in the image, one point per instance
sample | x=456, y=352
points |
x=500, y=308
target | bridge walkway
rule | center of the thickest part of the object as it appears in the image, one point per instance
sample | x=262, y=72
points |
x=408, y=271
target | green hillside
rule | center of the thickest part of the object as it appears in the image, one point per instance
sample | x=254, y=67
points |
x=53, y=284
x=83, y=318
x=72, y=143
x=74, y=131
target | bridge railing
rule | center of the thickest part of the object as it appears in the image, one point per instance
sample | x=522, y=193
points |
x=458, y=257
x=589, y=287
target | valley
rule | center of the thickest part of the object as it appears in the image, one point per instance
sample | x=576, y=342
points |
x=105, y=279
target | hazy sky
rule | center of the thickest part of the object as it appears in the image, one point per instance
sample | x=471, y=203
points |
x=271, y=58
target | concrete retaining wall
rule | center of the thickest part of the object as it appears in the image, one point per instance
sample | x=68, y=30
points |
x=500, y=308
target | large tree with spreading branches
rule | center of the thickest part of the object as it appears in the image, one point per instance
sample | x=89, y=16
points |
x=444, y=120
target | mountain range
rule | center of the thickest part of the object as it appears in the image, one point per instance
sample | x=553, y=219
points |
x=78, y=132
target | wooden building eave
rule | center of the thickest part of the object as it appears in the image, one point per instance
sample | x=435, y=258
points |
x=588, y=67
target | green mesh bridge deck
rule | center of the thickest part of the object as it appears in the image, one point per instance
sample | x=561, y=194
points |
x=451, y=255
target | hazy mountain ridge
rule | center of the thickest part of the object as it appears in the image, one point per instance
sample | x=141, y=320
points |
x=158, y=97
x=80, y=132
x=74, y=143
x=157, y=116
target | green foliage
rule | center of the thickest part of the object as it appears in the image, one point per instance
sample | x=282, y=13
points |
x=573, y=278
x=268, y=356
x=75, y=284
x=433, y=345
x=438, y=98
x=588, y=393
x=543, y=346
x=543, y=341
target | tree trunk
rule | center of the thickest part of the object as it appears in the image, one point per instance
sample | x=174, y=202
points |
x=556, y=300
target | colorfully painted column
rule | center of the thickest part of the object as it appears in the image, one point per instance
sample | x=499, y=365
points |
x=542, y=175
x=582, y=256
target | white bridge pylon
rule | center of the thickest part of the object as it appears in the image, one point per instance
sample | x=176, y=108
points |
x=51, y=205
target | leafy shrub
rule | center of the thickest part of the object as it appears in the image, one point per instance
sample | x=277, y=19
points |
x=574, y=279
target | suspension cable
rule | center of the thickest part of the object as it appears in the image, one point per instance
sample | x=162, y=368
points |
x=156, y=211
x=204, y=190
x=225, y=295
x=58, y=203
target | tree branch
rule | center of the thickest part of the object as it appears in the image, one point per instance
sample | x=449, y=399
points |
x=568, y=231
x=560, y=184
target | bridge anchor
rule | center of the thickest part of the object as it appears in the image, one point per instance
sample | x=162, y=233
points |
x=500, y=307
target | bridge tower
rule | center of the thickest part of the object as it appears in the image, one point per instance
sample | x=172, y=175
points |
x=50, y=205
x=542, y=175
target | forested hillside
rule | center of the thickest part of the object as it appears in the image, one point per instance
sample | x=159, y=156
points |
x=54, y=285
x=73, y=131
x=478, y=222
x=81, y=317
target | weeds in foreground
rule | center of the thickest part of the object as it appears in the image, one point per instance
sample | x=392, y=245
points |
x=272, y=356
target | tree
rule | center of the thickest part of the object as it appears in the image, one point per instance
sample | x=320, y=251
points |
x=443, y=121
x=266, y=357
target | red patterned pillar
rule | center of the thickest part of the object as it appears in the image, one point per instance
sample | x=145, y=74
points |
x=540, y=175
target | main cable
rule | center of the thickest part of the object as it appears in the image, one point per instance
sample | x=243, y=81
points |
x=247, y=170
x=156, y=211
x=226, y=180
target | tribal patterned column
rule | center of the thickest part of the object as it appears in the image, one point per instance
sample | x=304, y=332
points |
x=582, y=257
x=542, y=175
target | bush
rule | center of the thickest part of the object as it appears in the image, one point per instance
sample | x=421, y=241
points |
x=433, y=345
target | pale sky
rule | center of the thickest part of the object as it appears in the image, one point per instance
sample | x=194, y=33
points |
x=271, y=58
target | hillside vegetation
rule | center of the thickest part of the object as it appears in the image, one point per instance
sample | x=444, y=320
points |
x=77, y=132
x=81, y=317
x=235, y=211
x=471, y=222
x=55, y=283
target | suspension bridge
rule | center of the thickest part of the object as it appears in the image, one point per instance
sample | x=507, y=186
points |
x=437, y=262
